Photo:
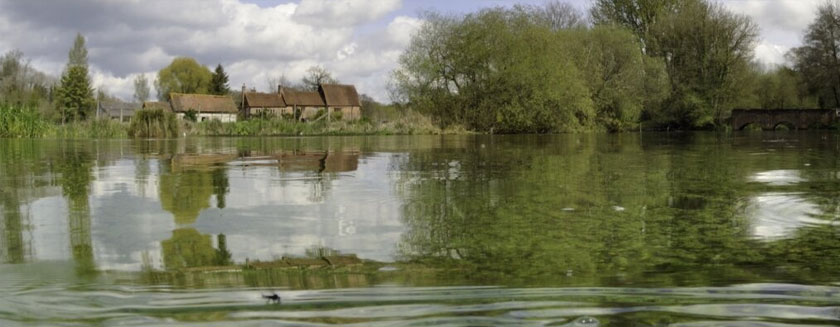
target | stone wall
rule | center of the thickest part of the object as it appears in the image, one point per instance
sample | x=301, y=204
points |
x=769, y=119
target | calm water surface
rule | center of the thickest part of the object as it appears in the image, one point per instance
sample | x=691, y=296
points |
x=685, y=229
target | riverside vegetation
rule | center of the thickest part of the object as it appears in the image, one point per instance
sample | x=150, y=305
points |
x=19, y=122
x=625, y=65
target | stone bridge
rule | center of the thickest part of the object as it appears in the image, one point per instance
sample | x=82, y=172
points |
x=769, y=119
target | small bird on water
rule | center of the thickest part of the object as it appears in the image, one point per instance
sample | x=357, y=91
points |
x=273, y=298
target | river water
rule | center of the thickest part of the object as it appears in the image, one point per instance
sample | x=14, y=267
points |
x=680, y=229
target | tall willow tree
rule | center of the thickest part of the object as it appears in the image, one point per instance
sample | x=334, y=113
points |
x=539, y=69
x=183, y=75
x=819, y=57
x=556, y=14
x=495, y=70
x=782, y=88
x=620, y=79
x=705, y=48
x=22, y=84
x=707, y=52
x=640, y=16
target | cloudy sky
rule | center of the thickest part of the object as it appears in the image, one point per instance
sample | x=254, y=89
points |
x=256, y=40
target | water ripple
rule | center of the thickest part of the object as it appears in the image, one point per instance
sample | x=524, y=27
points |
x=745, y=305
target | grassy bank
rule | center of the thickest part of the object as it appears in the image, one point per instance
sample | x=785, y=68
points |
x=21, y=122
x=18, y=122
x=407, y=124
x=154, y=123
x=93, y=129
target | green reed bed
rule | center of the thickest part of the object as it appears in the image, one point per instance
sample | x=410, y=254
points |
x=17, y=122
x=408, y=124
x=91, y=129
x=153, y=123
x=22, y=122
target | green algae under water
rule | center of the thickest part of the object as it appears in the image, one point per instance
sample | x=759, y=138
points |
x=685, y=229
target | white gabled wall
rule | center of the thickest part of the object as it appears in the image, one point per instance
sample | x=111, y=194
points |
x=225, y=118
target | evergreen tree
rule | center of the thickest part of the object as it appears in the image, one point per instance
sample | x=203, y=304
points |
x=219, y=82
x=75, y=93
x=78, y=54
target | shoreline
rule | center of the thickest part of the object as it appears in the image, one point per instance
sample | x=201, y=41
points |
x=110, y=129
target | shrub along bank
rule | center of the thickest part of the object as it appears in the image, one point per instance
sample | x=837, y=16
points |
x=19, y=122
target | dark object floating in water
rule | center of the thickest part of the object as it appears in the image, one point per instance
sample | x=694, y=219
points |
x=273, y=298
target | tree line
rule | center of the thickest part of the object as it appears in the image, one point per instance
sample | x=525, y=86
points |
x=662, y=63
x=185, y=75
x=72, y=97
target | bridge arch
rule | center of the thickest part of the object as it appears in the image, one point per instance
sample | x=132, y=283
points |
x=751, y=126
x=794, y=119
x=788, y=125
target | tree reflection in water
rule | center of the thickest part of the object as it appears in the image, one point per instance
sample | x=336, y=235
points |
x=582, y=209
x=23, y=180
x=75, y=169
x=14, y=247
x=597, y=209
x=186, y=191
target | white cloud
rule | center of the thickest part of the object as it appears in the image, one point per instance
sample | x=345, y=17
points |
x=256, y=73
x=121, y=87
x=782, y=24
x=401, y=28
x=377, y=54
x=772, y=54
x=366, y=60
x=336, y=13
x=252, y=43
x=786, y=15
x=352, y=38
x=5, y=45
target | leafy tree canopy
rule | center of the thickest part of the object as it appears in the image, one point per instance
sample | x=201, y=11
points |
x=183, y=75
x=819, y=57
x=526, y=69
